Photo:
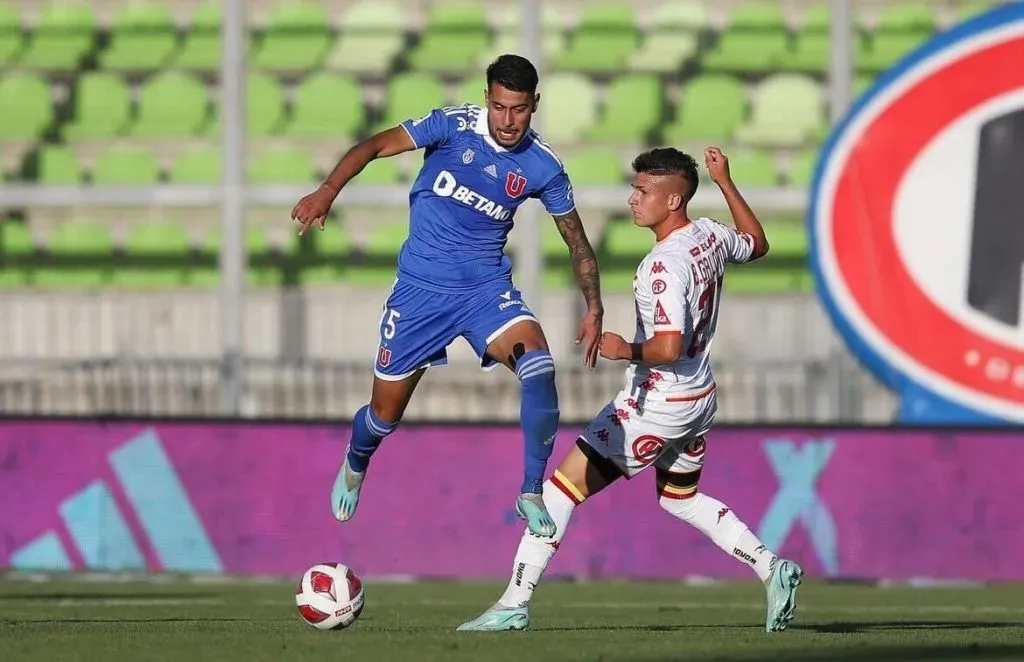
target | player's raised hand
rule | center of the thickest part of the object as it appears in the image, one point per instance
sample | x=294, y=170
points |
x=589, y=335
x=717, y=164
x=614, y=347
x=314, y=208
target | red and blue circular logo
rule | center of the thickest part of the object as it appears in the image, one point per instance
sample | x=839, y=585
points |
x=917, y=225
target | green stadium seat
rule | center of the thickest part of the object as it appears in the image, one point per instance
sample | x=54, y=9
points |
x=379, y=172
x=296, y=38
x=680, y=15
x=801, y=171
x=553, y=44
x=633, y=107
x=809, y=55
x=58, y=166
x=817, y=18
x=568, y=107
x=326, y=106
x=201, y=51
x=142, y=38
x=411, y=95
x=82, y=251
x=264, y=107
x=11, y=40
x=157, y=255
x=282, y=164
x=594, y=166
x=788, y=111
x=746, y=52
x=172, y=104
x=27, y=109
x=751, y=168
x=470, y=90
x=371, y=38
x=606, y=38
x=102, y=104
x=381, y=254
x=129, y=164
x=454, y=36
x=333, y=247
x=197, y=164
x=664, y=51
x=886, y=49
x=257, y=247
x=16, y=250
x=622, y=247
x=905, y=16
x=760, y=16
x=711, y=108
x=63, y=36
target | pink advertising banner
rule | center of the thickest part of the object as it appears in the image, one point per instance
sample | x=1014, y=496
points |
x=251, y=498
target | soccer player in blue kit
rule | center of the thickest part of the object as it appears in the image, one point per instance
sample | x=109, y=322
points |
x=454, y=280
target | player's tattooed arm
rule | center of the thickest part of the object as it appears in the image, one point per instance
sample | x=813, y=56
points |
x=584, y=262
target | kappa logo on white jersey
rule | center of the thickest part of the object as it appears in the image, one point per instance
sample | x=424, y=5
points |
x=926, y=287
x=446, y=186
x=658, y=268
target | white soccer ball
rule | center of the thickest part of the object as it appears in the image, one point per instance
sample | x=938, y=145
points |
x=330, y=596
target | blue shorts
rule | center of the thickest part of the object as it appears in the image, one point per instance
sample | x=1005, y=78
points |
x=418, y=325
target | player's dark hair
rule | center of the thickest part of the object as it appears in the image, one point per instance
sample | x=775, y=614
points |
x=513, y=72
x=669, y=161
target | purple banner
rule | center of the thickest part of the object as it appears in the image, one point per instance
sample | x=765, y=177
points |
x=254, y=499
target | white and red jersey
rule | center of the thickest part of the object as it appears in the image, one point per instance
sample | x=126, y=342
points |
x=677, y=288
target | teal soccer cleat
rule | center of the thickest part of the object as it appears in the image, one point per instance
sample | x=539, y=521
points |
x=345, y=493
x=781, y=587
x=531, y=508
x=499, y=618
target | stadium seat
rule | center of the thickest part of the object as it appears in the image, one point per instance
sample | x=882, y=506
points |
x=746, y=52
x=11, y=40
x=751, y=168
x=79, y=255
x=622, y=247
x=296, y=38
x=332, y=248
x=664, y=51
x=257, y=248
x=371, y=38
x=594, y=166
x=757, y=16
x=788, y=111
x=197, y=164
x=63, y=36
x=142, y=38
x=817, y=18
x=326, y=106
x=884, y=50
x=906, y=17
x=171, y=105
x=605, y=39
x=282, y=164
x=380, y=253
x=801, y=170
x=411, y=95
x=553, y=44
x=810, y=53
x=632, y=109
x=58, y=166
x=710, y=109
x=128, y=164
x=102, y=106
x=454, y=36
x=470, y=90
x=16, y=249
x=201, y=51
x=379, y=172
x=680, y=15
x=567, y=107
x=27, y=110
x=157, y=256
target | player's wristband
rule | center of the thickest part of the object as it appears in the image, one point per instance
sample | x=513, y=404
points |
x=636, y=351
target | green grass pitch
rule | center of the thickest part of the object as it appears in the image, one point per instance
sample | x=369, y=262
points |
x=176, y=619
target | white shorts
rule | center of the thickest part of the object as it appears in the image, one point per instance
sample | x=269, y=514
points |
x=668, y=433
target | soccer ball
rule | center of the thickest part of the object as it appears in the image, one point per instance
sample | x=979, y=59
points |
x=330, y=596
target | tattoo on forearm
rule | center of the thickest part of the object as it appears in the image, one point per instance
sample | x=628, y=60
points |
x=584, y=262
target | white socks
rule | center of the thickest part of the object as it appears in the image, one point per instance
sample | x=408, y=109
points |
x=535, y=552
x=717, y=521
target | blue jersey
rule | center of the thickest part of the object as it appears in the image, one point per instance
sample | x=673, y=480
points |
x=465, y=196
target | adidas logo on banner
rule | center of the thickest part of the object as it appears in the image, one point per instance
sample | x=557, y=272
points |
x=102, y=536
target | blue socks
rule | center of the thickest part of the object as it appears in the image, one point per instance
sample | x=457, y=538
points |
x=367, y=433
x=538, y=414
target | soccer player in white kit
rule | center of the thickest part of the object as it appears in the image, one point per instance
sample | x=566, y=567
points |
x=668, y=403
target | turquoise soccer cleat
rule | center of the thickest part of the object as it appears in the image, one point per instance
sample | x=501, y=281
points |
x=499, y=618
x=781, y=587
x=531, y=508
x=345, y=493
